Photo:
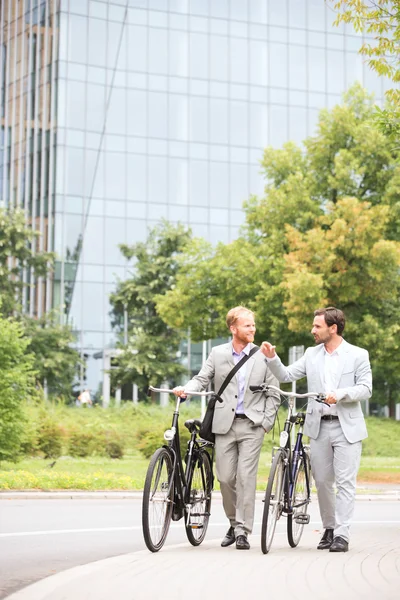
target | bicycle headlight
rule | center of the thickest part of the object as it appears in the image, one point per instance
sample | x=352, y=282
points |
x=169, y=434
x=283, y=438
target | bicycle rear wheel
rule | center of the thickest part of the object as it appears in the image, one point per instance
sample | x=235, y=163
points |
x=273, y=502
x=199, y=493
x=158, y=496
x=299, y=502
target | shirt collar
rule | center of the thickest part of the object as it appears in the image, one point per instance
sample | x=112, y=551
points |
x=338, y=351
x=246, y=350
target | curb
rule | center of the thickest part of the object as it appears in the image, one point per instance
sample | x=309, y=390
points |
x=363, y=493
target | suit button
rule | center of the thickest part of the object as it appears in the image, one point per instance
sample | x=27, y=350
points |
x=233, y=410
x=235, y=396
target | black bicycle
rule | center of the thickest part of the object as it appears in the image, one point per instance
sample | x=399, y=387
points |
x=289, y=483
x=172, y=491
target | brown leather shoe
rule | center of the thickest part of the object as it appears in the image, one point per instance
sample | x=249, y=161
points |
x=242, y=543
x=229, y=538
x=339, y=544
x=326, y=540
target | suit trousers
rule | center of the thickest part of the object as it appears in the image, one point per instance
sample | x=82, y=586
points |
x=335, y=460
x=237, y=456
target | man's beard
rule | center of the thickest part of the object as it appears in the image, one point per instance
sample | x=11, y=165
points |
x=319, y=340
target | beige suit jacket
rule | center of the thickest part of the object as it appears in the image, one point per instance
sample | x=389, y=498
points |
x=260, y=409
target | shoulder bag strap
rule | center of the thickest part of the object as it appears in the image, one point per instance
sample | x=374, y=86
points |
x=236, y=369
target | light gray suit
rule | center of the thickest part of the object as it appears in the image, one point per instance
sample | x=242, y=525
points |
x=335, y=445
x=238, y=441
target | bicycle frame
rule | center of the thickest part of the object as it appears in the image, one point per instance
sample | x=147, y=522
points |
x=292, y=456
x=180, y=478
x=173, y=490
x=288, y=487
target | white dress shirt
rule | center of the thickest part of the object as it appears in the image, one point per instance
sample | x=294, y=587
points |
x=331, y=365
x=241, y=376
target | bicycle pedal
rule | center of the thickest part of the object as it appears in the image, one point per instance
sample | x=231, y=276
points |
x=302, y=519
x=196, y=525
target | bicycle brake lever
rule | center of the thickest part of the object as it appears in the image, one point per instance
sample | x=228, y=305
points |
x=321, y=399
x=256, y=388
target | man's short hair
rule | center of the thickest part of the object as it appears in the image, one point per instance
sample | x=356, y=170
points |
x=332, y=316
x=235, y=313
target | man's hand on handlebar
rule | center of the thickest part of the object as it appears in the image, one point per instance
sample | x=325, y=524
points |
x=268, y=350
x=179, y=391
x=330, y=398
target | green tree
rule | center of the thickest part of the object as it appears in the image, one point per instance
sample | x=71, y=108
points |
x=346, y=260
x=17, y=379
x=18, y=254
x=56, y=362
x=380, y=20
x=151, y=351
x=347, y=156
x=207, y=287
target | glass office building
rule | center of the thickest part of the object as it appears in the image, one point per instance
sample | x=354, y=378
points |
x=115, y=113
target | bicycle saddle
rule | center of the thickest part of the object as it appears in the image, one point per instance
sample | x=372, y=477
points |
x=193, y=425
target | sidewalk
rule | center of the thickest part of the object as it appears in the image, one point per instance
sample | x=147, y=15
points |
x=368, y=571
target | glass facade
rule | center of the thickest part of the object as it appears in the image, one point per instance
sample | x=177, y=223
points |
x=140, y=109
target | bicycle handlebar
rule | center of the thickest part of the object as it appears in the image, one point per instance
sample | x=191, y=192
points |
x=265, y=387
x=187, y=393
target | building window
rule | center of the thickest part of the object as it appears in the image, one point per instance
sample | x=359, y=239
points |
x=36, y=8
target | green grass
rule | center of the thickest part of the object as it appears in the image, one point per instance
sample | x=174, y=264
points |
x=141, y=428
x=128, y=473
x=94, y=473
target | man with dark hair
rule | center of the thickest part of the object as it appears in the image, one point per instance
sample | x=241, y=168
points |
x=343, y=372
x=240, y=420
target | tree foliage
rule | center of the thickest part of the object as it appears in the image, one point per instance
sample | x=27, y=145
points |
x=17, y=386
x=18, y=254
x=380, y=21
x=151, y=352
x=56, y=362
x=325, y=231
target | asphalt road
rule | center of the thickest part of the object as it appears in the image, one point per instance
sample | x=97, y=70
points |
x=41, y=537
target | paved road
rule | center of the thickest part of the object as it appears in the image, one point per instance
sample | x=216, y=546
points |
x=80, y=531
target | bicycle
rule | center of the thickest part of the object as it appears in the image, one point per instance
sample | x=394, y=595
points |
x=288, y=489
x=172, y=492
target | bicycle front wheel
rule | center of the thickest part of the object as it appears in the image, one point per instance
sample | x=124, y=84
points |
x=199, y=494
x=299, y=501
x=158, y=496
x=273, y=502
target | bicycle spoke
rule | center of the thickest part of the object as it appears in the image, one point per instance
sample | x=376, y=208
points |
x=299, y=502
x=157, y=500
x=273, y=504
x=199, y=499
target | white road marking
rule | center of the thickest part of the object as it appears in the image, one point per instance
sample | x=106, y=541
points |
x=139, y=527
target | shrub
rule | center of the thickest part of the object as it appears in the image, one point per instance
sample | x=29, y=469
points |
x=81, y=443
x=16, y=385
x=50, y=438
x=149, y=441
x=29, y=441
x=114, y=449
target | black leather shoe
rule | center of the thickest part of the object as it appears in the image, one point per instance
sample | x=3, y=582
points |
x=229, y=539
x=242, y=543
x=339, y=544
x=326, y=540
